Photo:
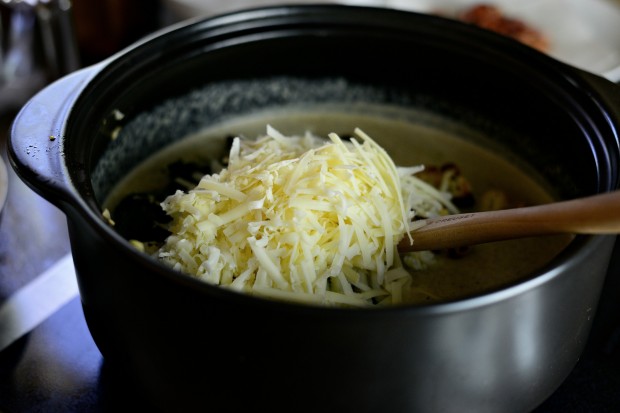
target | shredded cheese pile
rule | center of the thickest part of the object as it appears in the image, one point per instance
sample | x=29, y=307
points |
x=302, y=219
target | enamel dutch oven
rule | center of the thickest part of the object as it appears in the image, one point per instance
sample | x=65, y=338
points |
x=190, y=346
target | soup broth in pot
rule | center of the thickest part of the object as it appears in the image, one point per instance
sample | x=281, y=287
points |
x=410, y=138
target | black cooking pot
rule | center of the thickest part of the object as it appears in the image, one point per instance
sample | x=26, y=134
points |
x=190, y=346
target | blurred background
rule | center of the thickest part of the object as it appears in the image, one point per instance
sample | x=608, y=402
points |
x=41, y=40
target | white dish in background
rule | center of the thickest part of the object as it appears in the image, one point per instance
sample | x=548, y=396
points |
x=582, y=33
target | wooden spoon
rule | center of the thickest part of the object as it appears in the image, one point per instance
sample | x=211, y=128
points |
x=597, y=214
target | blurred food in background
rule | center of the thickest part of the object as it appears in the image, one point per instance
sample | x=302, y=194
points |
x=103, y=27
x=493, y=18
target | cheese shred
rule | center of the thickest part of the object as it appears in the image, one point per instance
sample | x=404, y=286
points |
x=303, y=219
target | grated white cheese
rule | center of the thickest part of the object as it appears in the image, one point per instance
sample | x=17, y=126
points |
x=303, y=219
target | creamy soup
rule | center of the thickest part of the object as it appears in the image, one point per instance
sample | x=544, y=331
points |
x=410, y=139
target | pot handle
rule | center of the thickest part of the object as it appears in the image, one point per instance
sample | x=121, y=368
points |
x=35, y=142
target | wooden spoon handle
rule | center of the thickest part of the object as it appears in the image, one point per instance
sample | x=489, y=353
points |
x=597, y=214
